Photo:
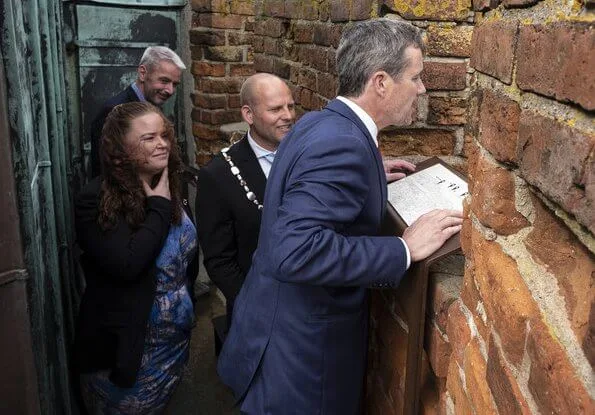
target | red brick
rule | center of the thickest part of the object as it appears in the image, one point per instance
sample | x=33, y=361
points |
x=401, y=142
x=218, y=117
x=208, y=69
x=445, y=10
x=327, y=35
x=233, y=101
x=340, y=10
x=493, y=198
x=559, y=161
x=566, y=75
x=271, y=27
x=205, y=6
x=484, y=5
x=302, y=10
x=447, y=111
x=519, y=3
x=207, y=37
x=221, y=21
x=242, y=7
x=363, y=9
x=241, y=69
x=507, y=300
x=443, y=289
x=307, y=78
x=444, y=75
x=205, y=132
x=274, y=8
x=258, y=44
x=456, y=389
x=438, y=349
x=212, y=101
x=553, y=381
x=196, y=52
x=235, y=38
x=281, y=68
x=493, y=48
x=263, y=63
x=499, y=126
x=273, y=46
x=552, y=245
x=224, y=53
x=449, y=40
x=219, y=85
x=458, y=330
x=506, y=392
x=303, y=32
x=475, y=379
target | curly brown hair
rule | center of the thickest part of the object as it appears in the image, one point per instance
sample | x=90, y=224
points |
x=122, y=191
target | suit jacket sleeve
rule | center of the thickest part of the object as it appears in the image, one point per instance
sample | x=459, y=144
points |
x=121, y=252
x=217, y=236
x=315, y=238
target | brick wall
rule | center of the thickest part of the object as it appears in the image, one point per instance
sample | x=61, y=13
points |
x=510, y=101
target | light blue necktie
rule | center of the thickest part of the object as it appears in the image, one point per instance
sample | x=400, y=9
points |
x=270, y=157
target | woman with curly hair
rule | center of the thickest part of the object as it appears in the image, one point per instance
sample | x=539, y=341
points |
x=139, y=254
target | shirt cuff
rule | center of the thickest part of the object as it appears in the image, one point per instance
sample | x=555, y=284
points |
x=407, y=251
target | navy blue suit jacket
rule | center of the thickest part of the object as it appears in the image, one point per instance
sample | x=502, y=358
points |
x=299, y=335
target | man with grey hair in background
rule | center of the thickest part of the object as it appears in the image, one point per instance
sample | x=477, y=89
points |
x=159, y=73
x=299, y=335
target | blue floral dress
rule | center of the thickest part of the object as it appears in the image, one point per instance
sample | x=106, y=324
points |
x=166, y=341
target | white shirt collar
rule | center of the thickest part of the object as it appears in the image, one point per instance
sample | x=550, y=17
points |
x=259, y=151
x=363, y=116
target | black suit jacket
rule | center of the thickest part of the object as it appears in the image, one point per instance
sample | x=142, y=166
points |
x=127, y=95
x=228, y=223
x=119, y=267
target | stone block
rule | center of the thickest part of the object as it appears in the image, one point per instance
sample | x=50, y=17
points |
x=273, y=8
x=493, y=48
x=242, y=7
x=458, y=331
x=444, y=75
x=475, y=379
x=456, y=389
x=438, y=348
x=363, y=9
x=405, y=142
x=441, y=10
x=557, y=60
x=447, y=110
x=443, y=290
x=499, y=125
x=449, y=40
x=485, y=5
x=559, y=160
x=303, y=32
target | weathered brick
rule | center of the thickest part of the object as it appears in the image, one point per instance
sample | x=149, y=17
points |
x=493, y=198
x=273, y=46
x=258, y=44
x=339, y=10
x=211, y=101
x=363, y=10
x=484, y=5
x=443, y=290
x=271, y=27
x=235, y=38
x=263, y=63
x=208, y=69
x=303, y=32
x=207, y=37
x=221, y=21
x=327, y=85
x=456, y=388
x=224, y=53
x=206, y=6
x=444, y=75
x=507, y=300
x=196, y=52
x=218, y=117
x=472, y=300
x=403, y=142
x=493, y=48
x=475, y=375
x=274, y=8
x=566, y=75
x=550, y=364
x=449, y=40
x=233, y=101
x=447, y=111
x=302, y=10
x=519, y=3
x=458, y=331
x=241, y=69
x=499, y=125
x=281, y=68
x=327, y=35
x=444, y=10
x=558, y=160
x=438, y=349
x=552, y=245
x=205, y=132
x=242, y=7
x=307, y=78
x=219, y=85
x=503, y=384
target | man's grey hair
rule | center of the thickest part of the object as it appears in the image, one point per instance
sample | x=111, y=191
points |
x=370, y=46
x=155, y=54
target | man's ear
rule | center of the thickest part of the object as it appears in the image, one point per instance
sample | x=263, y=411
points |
x=247, y=114
x=142, y=72
x=379, y=82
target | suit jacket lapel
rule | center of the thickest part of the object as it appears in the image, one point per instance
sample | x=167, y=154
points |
x=339, y=107
x=243, y=156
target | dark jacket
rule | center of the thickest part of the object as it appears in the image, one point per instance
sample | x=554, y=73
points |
x=127, y=95
x=120, y=271
x=228, y=222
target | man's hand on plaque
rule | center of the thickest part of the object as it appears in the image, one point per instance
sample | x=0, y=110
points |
x=430, y=231
x=397, y=169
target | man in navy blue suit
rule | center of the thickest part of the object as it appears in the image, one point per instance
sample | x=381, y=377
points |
x=159, y=73
x=299, y=339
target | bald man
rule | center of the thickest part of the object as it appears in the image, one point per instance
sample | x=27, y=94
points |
x=231, y=186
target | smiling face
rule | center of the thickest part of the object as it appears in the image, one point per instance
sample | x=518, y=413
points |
x=159, y=82
x=148, y=143
x=401, y=99
x=271, y=113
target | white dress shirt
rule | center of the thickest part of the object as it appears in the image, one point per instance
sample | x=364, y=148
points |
x=262, y=155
